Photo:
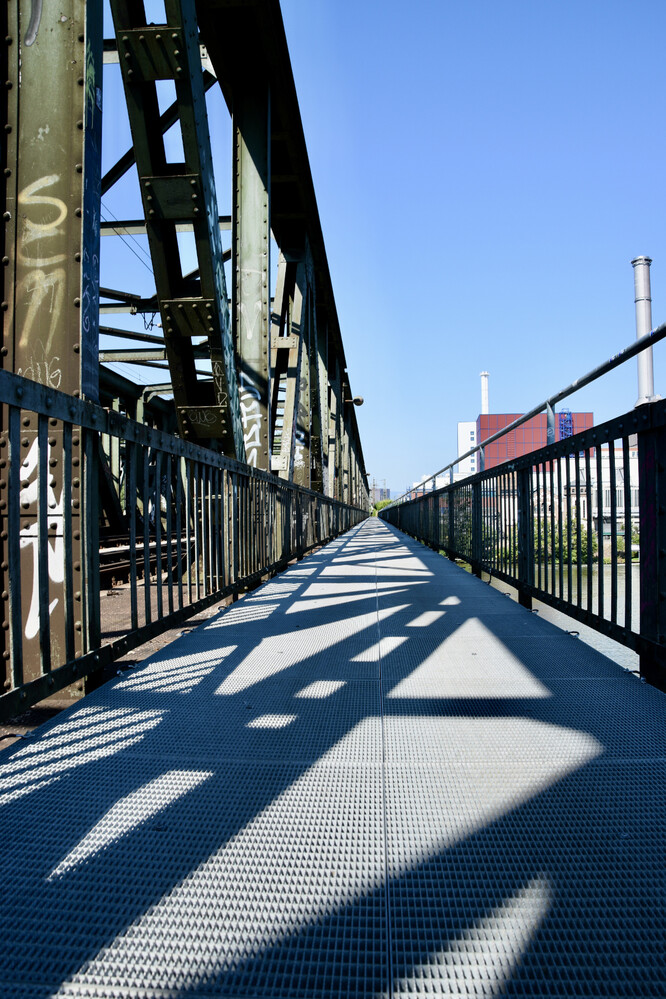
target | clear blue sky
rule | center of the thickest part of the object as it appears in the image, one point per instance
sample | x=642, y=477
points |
x=485, y=172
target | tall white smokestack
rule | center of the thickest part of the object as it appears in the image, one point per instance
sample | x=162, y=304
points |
x=484, y=393
x=643, y=302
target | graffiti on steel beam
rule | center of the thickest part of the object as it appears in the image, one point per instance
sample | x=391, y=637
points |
x=33, y=26
x=29, y=535
x=42, y=288
x=251, y=417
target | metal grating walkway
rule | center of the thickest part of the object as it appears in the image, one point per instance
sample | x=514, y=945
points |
x=373, y=776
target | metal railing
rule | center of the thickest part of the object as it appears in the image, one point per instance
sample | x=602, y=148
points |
x=199, y=527
x=562, y=524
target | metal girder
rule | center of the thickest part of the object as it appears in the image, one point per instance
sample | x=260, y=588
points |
x=287, y=365
x=251, y=264
x=50, y=298
x=174, y=193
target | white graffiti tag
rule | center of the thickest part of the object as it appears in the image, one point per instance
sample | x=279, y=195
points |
x=251, y=417
x=29, y=537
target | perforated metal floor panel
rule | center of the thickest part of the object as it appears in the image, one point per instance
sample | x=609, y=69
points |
x=372, y=777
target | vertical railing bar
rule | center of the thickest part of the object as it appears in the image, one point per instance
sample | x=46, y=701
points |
x=628, y=566
x=145, y=488
x=43, y=448
x=600, y=534
x=590, y=543
x=180, y=471
x=189, y=526
x=613, y=529
x=158, y=533
x=551, y=507
x=90, y=505
x=560, y=530
x=538, y=520
x=205, y=529
x=14, y=547
x=567, y=459
x=223, y=526
x=169, y=530
x=131, y=458
x=196, y=475
x=67, y=540
x=579, y=538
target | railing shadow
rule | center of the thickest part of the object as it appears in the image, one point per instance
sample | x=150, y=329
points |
x=210, y=788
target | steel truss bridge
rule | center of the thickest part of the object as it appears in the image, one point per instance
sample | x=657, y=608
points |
x=253, y=416
x=364, y=772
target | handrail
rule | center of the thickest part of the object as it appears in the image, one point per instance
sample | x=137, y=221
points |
x=199, y=526
x=558, y=524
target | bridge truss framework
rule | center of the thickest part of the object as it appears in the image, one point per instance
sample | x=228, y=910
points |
x=254, y=365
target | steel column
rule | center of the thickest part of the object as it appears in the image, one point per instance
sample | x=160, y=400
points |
x=251, y=267
x=50, y=300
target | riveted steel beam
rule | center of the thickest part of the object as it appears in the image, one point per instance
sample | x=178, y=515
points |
x=251, y=264
x=52, y=68
x=175, y=193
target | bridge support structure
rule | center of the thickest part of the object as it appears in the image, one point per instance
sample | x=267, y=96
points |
x=231, y=358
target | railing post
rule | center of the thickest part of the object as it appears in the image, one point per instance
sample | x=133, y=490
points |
x=436, y=518
x=652, y=513
x=525, y=541
x=477, y=528
x=452, y=524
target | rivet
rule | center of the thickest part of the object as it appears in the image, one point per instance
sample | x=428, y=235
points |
x=79, y=168
x=26, y=421
x=78, y=213
x=6, y=216
x=80, y=81
x=52, y=441
x=77, y=257
x=77, y=566
x=76, y=348
x=8, y=128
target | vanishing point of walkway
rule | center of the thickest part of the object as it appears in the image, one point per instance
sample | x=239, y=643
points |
x=373, y=776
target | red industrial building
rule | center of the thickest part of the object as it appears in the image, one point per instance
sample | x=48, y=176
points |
x=529, y=437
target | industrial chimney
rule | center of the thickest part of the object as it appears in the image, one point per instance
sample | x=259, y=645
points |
x=484, y=393
x=643, y=302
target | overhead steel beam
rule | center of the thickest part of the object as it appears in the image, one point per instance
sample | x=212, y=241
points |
x=175, y=193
